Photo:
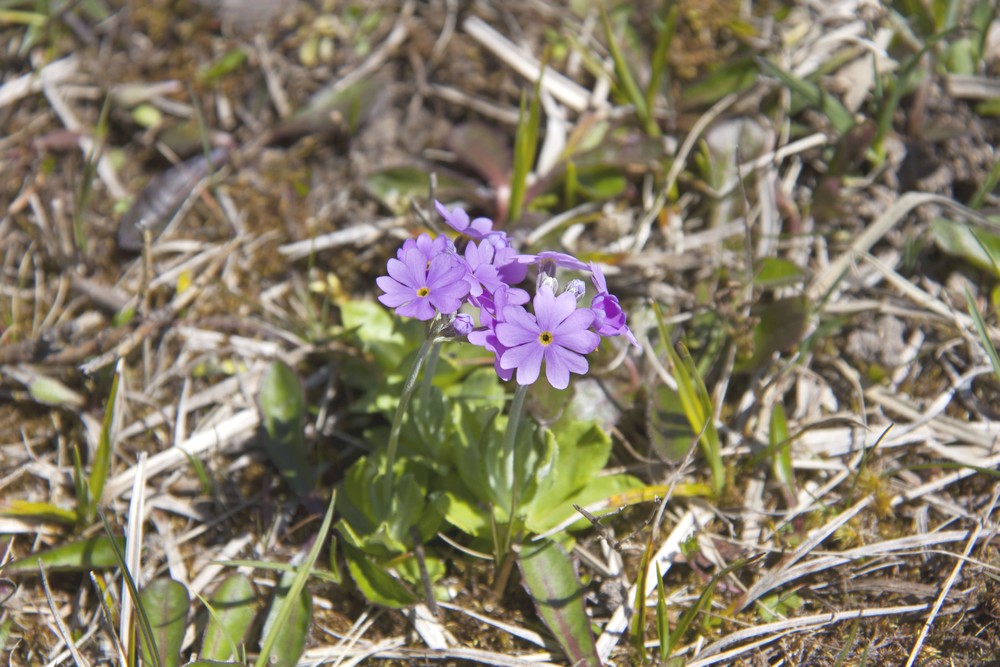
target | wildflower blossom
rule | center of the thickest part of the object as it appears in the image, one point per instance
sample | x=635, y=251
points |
x=558, y=334
x=482, y=272
x=419, y=288
x=429, y=277
x=458, y=220
x=428, y=247
x=609, y=318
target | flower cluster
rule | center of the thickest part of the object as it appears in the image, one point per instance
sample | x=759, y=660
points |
x=430, y=277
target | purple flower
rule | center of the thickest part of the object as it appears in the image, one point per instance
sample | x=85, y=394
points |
x=458, y=220
x=430, y=248
x=491, y=314
x=419, y=288
x=482, y=272
x=462, y=325
x=552, y=258
x=557, y=333
x=609, y=318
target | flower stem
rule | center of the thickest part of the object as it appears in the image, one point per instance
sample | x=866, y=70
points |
x=510, y=463
x=397, y=421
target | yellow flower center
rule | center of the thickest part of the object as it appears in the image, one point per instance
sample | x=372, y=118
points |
x=545, y=338
x=423, y=291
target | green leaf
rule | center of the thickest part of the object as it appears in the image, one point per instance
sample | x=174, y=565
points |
x=213, y=663
x=662, y=620
x=377, y=332
x=283, y=406
x=780, y=326
x=696, y=403
x=626, y=82
x=638, y=622
x=598, y=489
x=166, y=604
x=233, y=605
x=146, y=115
x=95, y=553
x=38, y=511
x=101, y=465
x=467, y=515
x=667, y=425
x=776, y=272
x=600, y=182
x=49, y=391
x=525, y=148
x=731, y=78
x=230, y=62
x=781, y=448
x=548, y=576
x=374, y=582
x=287, y=623
x=984, y=337
x=813, y=95
x=384, y=526
x=978, y=247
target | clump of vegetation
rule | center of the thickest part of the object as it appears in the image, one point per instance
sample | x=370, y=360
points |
x=218, y=447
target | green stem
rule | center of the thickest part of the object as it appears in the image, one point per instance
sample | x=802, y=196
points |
x=432, y=362
x=404, y=401
x=509, y=460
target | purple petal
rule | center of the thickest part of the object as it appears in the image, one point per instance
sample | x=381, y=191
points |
x=583, y=342
x=562, y=307
x=420, y=309
x=401, y=273
x=527, y=359
x=598, y=277
x=416, y=264
x=511, y=334
x=578, y=320
x=559, y=363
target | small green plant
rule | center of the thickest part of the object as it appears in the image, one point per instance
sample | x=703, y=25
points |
x=454, y=454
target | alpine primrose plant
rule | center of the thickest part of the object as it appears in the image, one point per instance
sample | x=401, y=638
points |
x=476, y=294
x=430, y=280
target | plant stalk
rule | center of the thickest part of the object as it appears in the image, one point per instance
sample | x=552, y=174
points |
x=510, y=463
x=404, y=401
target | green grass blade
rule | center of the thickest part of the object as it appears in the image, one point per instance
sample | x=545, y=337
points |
x=288, y=604
x=145, y=627
x=89, y=170
x=663, y=41
x=989, y=184
x=101, y=465
x=525, y=149
x=781, y=448
x=696, y=403
x=93, y=553
x=626, y=82
x=815, y=96
x=984, y=337
x=662, y=621
x=638, y=625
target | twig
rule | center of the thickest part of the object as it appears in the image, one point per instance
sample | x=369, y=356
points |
x=567, y=91
x=959, y=563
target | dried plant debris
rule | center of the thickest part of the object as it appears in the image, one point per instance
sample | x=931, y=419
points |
x=795, y=463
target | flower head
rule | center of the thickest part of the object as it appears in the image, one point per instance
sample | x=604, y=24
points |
x=419, y=288
x=609, y=318
x=429, y=247
x=458, y=220
x=558, y=334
